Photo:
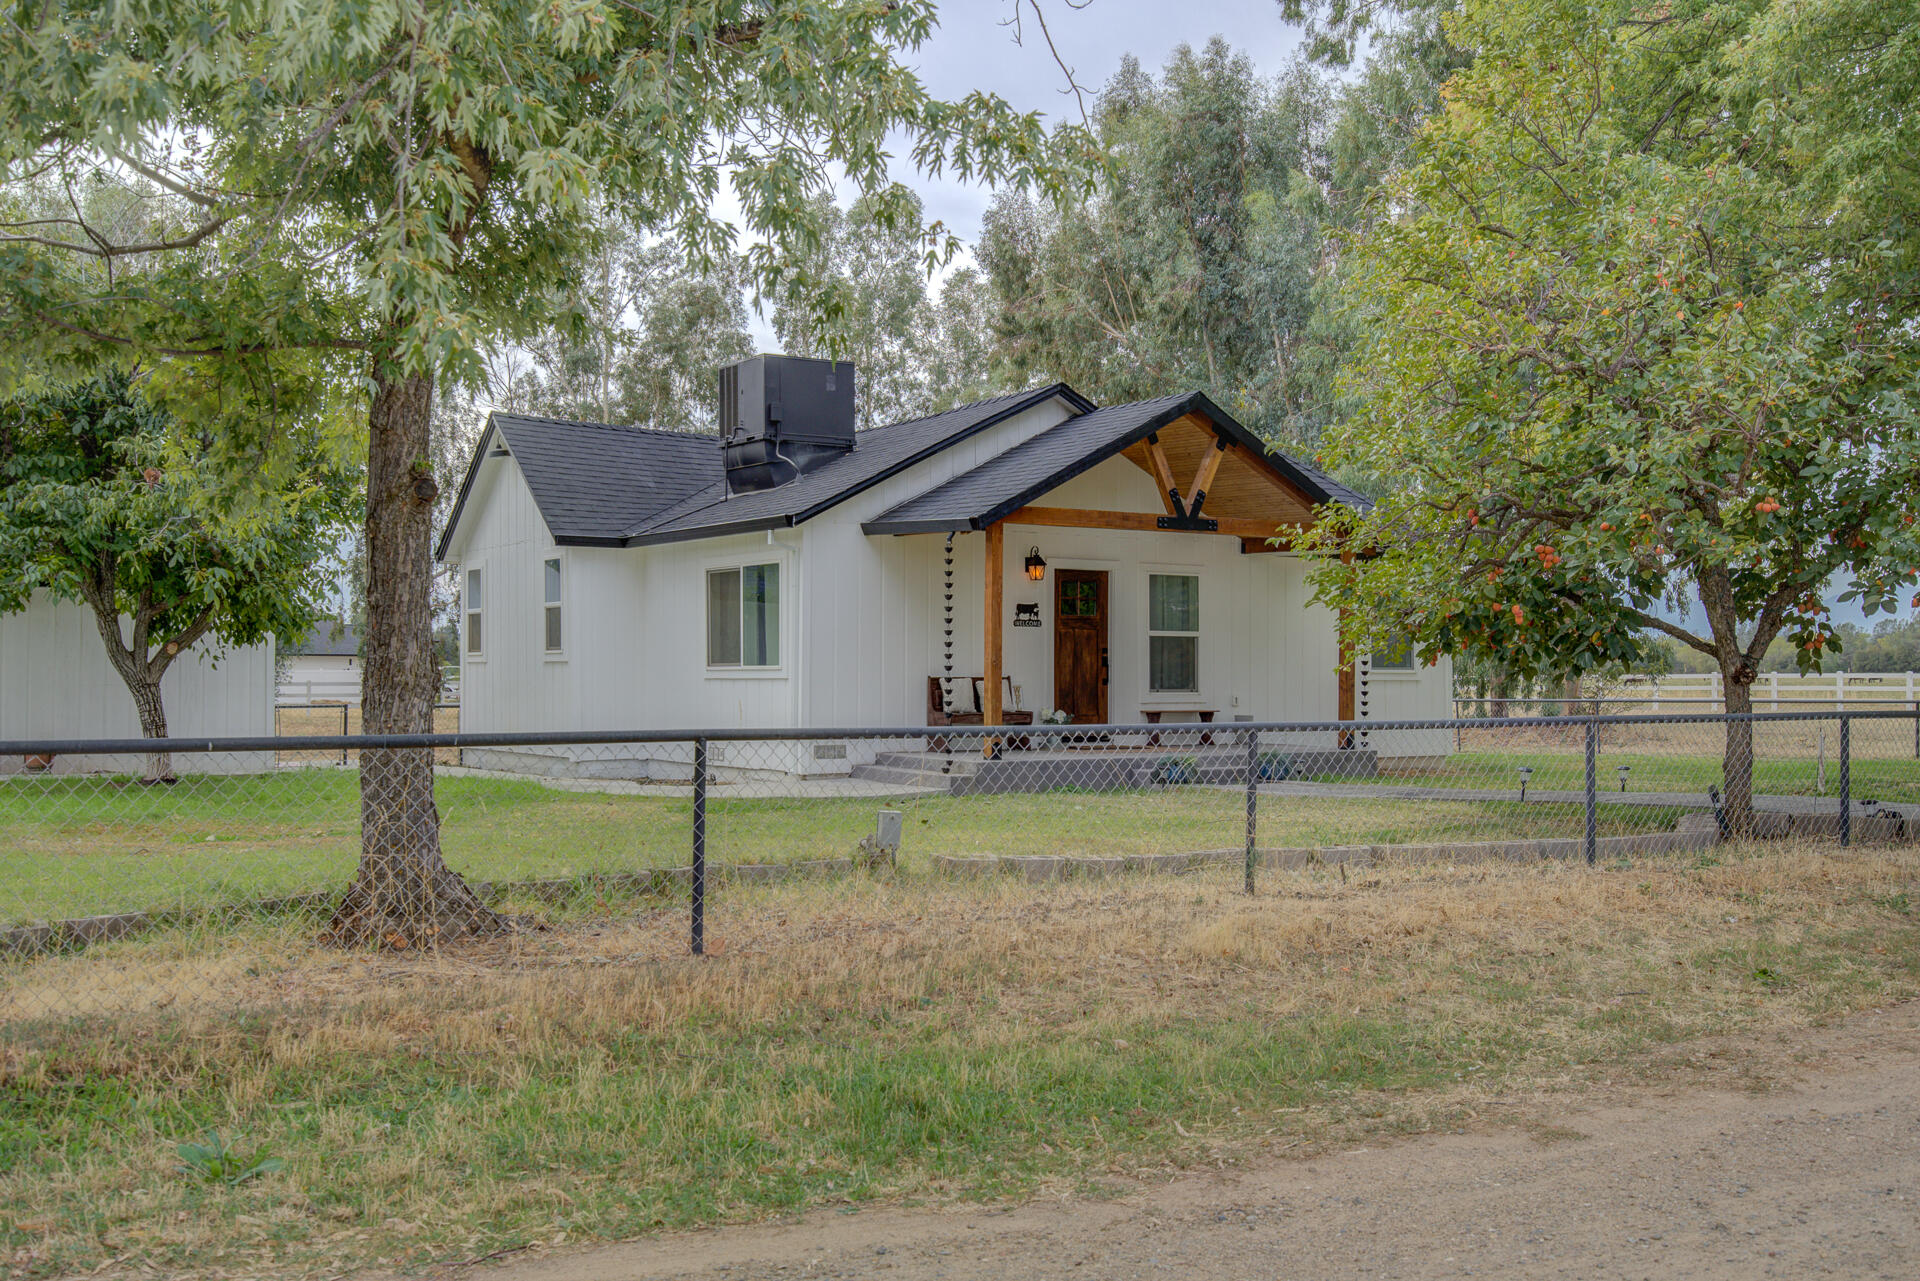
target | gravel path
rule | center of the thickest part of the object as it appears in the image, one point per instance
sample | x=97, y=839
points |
x=1819, y=1176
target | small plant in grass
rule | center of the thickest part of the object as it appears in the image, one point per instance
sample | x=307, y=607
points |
x=214, y=1160
x=1275, y=767
x=1177, y=769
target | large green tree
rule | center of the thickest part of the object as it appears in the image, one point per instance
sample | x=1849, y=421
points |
x=1629, y=344
x=397, y=184
x=646, y=330
x=866, y=295
x=102, y=504
x=1194, y=262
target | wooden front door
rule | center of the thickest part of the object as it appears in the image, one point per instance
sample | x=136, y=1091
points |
x=1080, y=644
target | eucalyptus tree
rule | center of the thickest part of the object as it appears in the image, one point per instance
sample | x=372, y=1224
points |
x=1629, y=344
x=644, y=332
x=392, y=186
x=1193, y=263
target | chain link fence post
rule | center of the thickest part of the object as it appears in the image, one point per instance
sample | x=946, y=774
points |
x=1846, y=780
x=1593, y=790
x=699, y=877
x=1253, y=800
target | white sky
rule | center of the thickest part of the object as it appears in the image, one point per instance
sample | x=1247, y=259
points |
x=973, y=50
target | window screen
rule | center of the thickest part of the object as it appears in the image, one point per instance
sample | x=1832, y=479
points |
x=1173, y=633
x=474, y=603
x=551, y=585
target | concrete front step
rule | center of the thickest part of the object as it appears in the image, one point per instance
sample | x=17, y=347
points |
x=928, y=780
x=1114, y=770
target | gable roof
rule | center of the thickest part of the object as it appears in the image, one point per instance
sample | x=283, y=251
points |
x=600, y=485
x=1005, y=483
x=594, y=482
x=329, y=638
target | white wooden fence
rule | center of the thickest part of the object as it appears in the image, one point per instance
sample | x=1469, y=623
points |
x=1774, y=691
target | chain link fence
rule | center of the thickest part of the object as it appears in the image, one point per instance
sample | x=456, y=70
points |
x=259, y=861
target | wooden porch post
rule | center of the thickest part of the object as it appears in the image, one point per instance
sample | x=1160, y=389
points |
x=990, y=702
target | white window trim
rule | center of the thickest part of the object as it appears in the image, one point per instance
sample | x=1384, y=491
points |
x=467, y=654
x=1171, y=698
x=1408, y=673
x=565, y=605
x=742, y=671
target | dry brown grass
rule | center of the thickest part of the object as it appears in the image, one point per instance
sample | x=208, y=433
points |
x=886, y=1038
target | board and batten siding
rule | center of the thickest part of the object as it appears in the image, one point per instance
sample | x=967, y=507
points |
x=862, y=618
x=56, y=683
x=876, y=614
x=512, y=684
x=872, y=618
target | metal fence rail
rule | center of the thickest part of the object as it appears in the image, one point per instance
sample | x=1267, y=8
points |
x=118, y=893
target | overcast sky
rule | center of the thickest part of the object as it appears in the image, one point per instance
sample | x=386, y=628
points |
x=972, y=49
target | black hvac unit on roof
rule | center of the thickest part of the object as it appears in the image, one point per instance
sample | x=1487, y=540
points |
x=781, y=417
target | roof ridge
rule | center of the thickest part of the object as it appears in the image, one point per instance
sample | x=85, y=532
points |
x=688, y=433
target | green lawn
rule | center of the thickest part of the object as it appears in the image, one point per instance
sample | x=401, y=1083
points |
x=1558, y=768
x=76, y=847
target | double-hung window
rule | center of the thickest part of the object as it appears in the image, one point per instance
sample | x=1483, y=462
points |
x=551, y=583
x=743, y=616
x=474, y=603
x=1173, y=634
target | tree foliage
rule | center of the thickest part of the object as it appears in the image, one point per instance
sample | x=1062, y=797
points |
x=1628, y=343
x=104, y=504
x=1194, y=262
x=868, y=299
x=644, y=332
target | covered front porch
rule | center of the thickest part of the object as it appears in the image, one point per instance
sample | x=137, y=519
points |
x=1133, y=566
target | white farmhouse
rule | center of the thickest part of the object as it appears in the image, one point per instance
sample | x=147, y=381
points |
x=1027, y=552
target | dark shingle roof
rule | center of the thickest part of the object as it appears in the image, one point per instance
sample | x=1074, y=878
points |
x=606, y=486
x=877, y=454
x=598, y=483
x=329, y=638
x=594, y=482
x=1003, y=484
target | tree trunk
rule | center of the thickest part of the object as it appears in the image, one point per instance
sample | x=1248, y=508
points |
x=1737, y=764
x=139, y=671
x=403, y=894
x=153, y=724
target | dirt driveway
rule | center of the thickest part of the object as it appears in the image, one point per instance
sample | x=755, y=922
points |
x=1818, y=1176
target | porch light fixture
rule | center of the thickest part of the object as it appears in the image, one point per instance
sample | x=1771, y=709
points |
x=1036, y=567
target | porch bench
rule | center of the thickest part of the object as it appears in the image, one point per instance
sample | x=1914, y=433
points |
x=967, y=711
x=1152, y=715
